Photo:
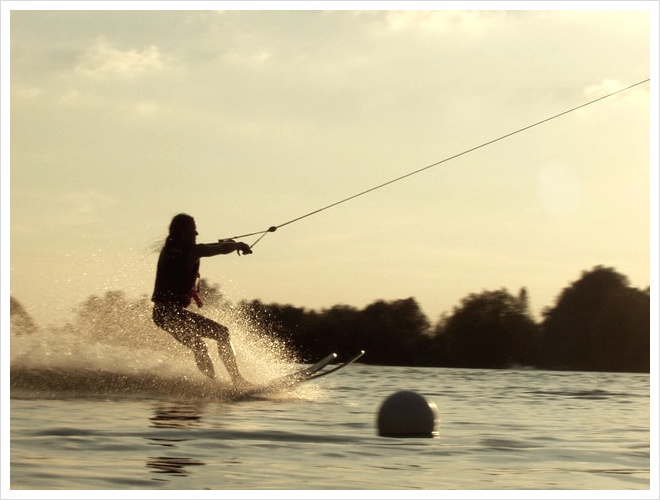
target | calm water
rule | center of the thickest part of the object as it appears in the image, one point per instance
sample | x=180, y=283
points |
x=499, y=430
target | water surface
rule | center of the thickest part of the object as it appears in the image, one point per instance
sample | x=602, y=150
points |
x=499, y=430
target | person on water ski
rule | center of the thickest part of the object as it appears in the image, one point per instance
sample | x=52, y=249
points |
x=174, y=289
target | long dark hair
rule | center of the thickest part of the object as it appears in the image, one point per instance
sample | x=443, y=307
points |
x=178, y=226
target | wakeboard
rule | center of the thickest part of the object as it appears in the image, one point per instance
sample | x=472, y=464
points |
x=297, y=377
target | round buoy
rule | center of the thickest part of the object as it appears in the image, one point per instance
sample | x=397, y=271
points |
x=407, y=414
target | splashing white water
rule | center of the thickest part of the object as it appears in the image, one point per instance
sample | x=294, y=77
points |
x=124, y=351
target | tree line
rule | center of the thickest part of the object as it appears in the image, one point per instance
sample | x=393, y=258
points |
x=598, y=323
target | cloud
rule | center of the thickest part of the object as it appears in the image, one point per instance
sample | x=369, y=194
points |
x=607, y=86
x=249, y=59
x=147, y=109
x=633, y=99
x=63, y=209
x=438, y=21
x=25, y=92
x=102, y=60
x=85, y=204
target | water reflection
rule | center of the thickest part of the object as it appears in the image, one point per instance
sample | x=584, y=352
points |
x=176, y=415
x=173, y=466
x=181, y=416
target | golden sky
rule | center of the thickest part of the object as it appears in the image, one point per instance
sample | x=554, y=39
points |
x=247, y=119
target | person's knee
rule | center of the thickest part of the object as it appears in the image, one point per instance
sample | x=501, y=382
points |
x=157, y=318
x=217, y=332
x=161, y=318
x=204, y=363
x=223, y=333
x=199, y=346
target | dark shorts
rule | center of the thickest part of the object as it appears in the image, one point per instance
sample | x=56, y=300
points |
x=186, y=326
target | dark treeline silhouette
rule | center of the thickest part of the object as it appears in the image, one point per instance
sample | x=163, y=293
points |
x=598, y=323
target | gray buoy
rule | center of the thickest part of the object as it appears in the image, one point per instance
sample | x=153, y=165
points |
x=407, y=414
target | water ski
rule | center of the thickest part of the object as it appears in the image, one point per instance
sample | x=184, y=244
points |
x=297, y=377
x=350, y=360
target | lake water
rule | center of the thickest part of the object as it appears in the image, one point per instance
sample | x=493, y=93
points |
x=76, y=428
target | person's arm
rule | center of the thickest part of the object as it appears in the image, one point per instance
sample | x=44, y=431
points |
x=222, y=247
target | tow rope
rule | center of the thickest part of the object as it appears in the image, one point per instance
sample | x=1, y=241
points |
x=272, y=229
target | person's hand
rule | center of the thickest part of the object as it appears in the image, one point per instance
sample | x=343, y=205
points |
x=243, y=248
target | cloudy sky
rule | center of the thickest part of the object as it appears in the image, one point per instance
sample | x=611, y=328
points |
x=248, y=119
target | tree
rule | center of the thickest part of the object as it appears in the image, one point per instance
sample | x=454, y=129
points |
x=492, y=329
x=392, y=332
x=282, y=322
x=211, y=295
x=599, y=323
x=113, y=318
x=20, y=321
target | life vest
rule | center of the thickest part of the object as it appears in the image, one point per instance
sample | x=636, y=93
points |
x=177, y=277
x=194, y=292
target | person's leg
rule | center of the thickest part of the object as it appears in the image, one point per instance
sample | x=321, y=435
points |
x=220, y=333
x=202, y=358
x=228, y=357
x=182, y=327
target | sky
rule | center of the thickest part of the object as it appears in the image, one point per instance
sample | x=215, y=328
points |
x=250, y=115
